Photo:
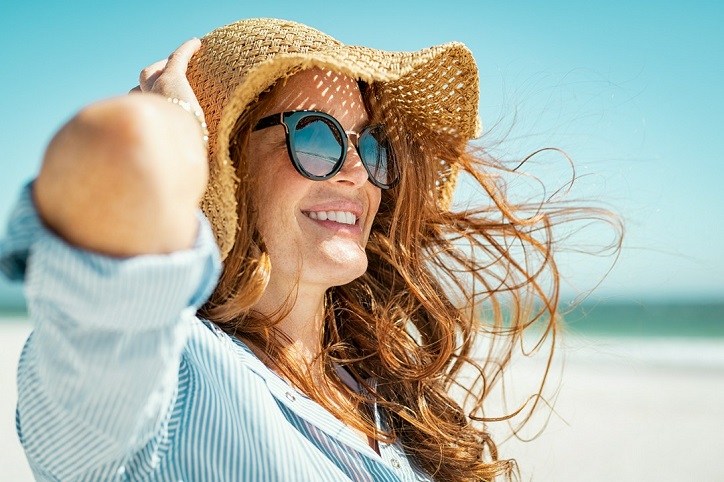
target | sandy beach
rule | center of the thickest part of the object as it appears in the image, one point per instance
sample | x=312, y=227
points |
x=627, y=410
x=13, y=466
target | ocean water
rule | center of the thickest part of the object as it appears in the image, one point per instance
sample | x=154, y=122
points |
x=648, y=319
x=610, y=319
x=681, y=335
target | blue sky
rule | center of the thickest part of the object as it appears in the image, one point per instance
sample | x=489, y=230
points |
x=630, y=90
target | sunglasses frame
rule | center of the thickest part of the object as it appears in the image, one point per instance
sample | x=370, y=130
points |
x=290, y=119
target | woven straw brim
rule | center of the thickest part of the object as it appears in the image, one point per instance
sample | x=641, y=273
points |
x=434, y=88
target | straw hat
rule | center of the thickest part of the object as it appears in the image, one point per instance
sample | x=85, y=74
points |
x=436, y=88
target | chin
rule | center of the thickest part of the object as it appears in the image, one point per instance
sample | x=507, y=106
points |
x=337, y=263
x=343, y=271
x=348, y=275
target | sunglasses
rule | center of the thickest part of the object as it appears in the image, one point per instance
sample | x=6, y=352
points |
x=317, y=146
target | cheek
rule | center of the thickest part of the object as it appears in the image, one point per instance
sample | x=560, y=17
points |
x=375, y=198
x=374, y=195
x=264, y=169
x=273, y=172
x=279, y=191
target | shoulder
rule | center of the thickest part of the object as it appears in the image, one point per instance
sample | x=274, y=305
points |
x=215, y=357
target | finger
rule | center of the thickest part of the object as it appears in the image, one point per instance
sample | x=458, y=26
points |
x=136, y=89
x=179, y=58
x=149, y=75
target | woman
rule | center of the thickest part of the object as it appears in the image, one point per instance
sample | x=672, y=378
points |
x=351, y=296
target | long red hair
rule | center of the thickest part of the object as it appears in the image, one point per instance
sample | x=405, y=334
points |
x=438, y=282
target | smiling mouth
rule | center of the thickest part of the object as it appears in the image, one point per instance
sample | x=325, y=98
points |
x=341, y=217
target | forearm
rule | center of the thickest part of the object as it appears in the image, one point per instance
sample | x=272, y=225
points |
x=124, y=177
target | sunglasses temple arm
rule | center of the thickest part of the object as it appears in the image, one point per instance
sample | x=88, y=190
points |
x=272, y=120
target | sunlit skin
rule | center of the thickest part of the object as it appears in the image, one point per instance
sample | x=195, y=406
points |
x=309, y=255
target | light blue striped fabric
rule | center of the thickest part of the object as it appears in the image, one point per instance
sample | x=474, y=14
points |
x=121, y=381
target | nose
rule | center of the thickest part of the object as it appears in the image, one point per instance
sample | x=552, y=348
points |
x=353, y=171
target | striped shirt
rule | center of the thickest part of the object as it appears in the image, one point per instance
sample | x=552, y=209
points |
x=120, y=380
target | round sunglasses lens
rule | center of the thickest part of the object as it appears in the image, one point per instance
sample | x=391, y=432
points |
x=318, y=145
x=376, y=153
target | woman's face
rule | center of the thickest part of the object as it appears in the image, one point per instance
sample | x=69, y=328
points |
x=294, y=212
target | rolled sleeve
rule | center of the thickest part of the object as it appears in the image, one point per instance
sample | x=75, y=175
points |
x=58, y=273
x=137, y=293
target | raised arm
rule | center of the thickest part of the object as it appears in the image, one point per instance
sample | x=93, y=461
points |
x=125, y=175
x=115, y=267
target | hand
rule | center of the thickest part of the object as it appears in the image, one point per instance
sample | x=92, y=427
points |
x=168, y=77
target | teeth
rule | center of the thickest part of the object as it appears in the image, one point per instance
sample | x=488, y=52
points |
x=342, y=217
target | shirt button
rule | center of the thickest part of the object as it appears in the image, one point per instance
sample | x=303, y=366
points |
x=395, y=463
x=290, y=396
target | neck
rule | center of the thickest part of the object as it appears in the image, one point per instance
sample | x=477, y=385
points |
x=300, y=311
